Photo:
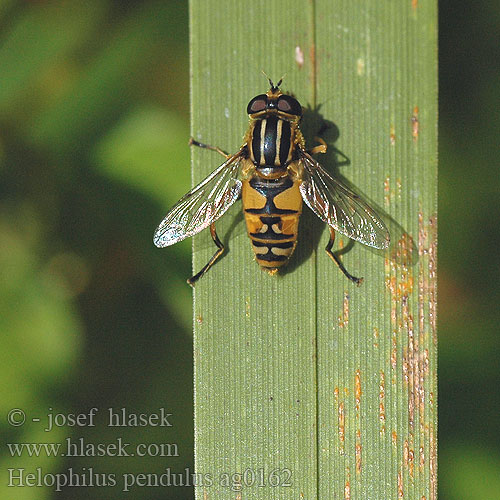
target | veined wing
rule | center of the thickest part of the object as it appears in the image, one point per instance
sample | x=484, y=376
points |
x=339, y=207
x=204, y=204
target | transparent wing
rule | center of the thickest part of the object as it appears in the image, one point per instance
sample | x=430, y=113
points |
x=340, y=207
x=204, y=204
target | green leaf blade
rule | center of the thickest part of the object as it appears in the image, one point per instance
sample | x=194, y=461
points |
x=306, y=371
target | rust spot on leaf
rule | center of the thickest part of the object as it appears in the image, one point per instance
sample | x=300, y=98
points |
x=344, y=317
x=387, y=191
x=392, y=193
x=433, y=463
x=400, y=485
x=427, y=284
x=414, y=124
x=402, y=251
x=357, y=390
x=357, y=395
x=400, y=286
x=381, y=403
x=358, y=452
x=341, y=417
x=409, y=457
x=411, y=365
x=399, y=187
x=360, y=66
x=394, y=351
x=392, y=135
x=347, y=487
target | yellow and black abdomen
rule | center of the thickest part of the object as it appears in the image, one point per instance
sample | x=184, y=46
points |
x=272, y=208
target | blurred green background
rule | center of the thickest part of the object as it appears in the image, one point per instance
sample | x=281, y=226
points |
x=94, y=122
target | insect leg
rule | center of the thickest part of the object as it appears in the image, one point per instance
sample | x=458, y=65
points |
x=328, y=250
x=321, y=148
x=192, y=142
x=211, y=262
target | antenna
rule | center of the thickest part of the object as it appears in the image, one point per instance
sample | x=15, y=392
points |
x=273, y=87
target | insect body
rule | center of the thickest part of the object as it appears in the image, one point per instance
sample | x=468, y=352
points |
x=273, y=173
x=271, y=198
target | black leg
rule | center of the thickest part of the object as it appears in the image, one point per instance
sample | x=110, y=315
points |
x=192, y=142
x=211, y=262
x=328, y=250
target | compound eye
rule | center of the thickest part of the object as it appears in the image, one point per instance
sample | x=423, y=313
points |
x=289, y=105
x=257, y=104
x=284, y=105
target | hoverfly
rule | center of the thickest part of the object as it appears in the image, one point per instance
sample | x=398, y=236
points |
x=272, y=172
